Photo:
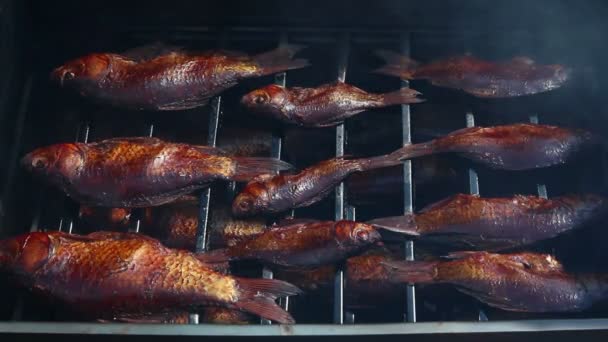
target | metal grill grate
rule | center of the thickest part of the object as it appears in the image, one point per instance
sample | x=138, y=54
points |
x=398, y=40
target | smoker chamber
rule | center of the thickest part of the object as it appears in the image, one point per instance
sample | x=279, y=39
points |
x=341, y=38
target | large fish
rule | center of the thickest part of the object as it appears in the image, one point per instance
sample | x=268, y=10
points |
x=526, y=282
x=108, y=275
x=139, y=172
x=305, y=244
x=498, y=222
x=326, y=105
x=510, y=147
x=167, y=79
x=516, y=77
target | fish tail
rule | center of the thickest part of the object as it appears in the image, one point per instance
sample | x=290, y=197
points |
x=397, y=157
x=396, y=65
x=401, y=96
x=250, y=167
x=411, y=272
x=400, y=224
x=258, y=296
x=280, y=59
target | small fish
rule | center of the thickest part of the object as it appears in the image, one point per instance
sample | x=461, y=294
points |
x=516, y=77
x=167, y=79
x=525, y=282
x=510, y=147
x=108, y=274
x=277, y=193
x=139, y=172
x=307, y=244
x=499, y=222
x=326, y=105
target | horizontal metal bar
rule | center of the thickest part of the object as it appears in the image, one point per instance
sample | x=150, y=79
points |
x=304, y=329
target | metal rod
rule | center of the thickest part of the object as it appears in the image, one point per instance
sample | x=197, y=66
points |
x=276, y=147
x=474, y=190
x=408, y=201
x=473, y=178
x=540, y=188
x=339, y=205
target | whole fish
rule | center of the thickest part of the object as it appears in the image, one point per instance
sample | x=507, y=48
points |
x=277, y=193
x=107, y=275
x=326, y=105
x=525, y=282
x=167, y=79
x=307, y=244
x=516, y=77
x=139, y=172
x=498, y=222
x=510, y=147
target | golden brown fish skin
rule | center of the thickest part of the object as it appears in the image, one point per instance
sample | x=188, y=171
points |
x=228, y=231
x=516, y=77
x=173, y=80
x=499, y=222
x=509, y=147
x=107, y=274
x=326, y=105
x=138, y=172
x=307, y=244
x=526, y=282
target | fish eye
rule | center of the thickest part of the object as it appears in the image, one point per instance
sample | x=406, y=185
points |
x=260, y=99
x=245, y=204
x=69, y=75
x=362, y=235
x=40, y=163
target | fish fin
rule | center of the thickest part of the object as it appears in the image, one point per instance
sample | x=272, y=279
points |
x=454, y=199
x=399, y=224
x=151, y=51
x=396, y=64
x=258, y=296
x=397, y=157
x=185, y=104
x=411, y=272
x=280, y=59
x=216, y=257
x=251, y=167
x=401, y=96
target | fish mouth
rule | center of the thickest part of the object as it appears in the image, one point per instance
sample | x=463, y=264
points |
x=62, y=75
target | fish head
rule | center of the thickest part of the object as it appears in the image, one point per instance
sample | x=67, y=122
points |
x=252, y=200
x=92, y=67
x=59, y=164
x=25, y=253
x=270, y=100
x=356, y=234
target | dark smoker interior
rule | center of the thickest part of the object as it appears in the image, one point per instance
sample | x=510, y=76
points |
x=340, y=37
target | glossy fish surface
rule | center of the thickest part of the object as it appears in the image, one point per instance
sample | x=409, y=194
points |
x=486, y=79
x=326, y=105
x=105, y=274
x=167, y=79
x=502, y=222
x=309, y=244
x=526, y=282
x=138, y=172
